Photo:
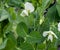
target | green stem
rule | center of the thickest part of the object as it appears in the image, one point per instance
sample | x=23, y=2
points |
x=47, y=45
x=0, y=29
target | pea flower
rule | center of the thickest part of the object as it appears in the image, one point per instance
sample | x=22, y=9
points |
x=24, y=13
x=50, y=35
x=29, y=8
x=59, y=26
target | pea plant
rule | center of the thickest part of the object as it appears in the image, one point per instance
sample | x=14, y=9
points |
x=29, y=24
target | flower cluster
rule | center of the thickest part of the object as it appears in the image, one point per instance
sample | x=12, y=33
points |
x=50, y=35
x=29, y=8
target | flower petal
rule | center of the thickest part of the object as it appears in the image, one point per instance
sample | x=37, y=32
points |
x=24, y=13
x=45, y=33
x=50, y=37
x=59, y=26
x=53, y=34
x=29, y=7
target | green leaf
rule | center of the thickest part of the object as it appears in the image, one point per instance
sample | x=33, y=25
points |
x=26, y=46
x=34, y=37
x=12, y=13
x=58, y=8
x=16, y=3
x=58, y=1
x=41, y=46
x=53, y=48
x=1, y=40
x=45, y=2
x=51, y=14
x=20, y=40
x=11, y=43
x=3, y=45
x=22, y=29
x=7, y=28
x=29, y=20
x=3, y=14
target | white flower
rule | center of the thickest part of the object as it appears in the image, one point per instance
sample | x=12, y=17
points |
x=51, y=32
x=50, y=35
x=45, y=33
x=24, y=13
x=29, y=7
x=59, y=26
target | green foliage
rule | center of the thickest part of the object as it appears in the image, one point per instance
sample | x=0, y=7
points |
x=34, y=37
x=26, y=46
x=26, y=33
x=22, y=29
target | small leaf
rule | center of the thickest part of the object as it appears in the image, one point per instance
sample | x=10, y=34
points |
x=11, y=43
x=58, y=1
x=7, y=28
x=3, y=45
x=58, y=8
x=12, y=14
x=1, y=40
x=26, y=46
x=34, y=37
x=22, y=29
x=41, y=46
x=3, y=14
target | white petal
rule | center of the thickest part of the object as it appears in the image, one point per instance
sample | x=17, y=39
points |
x=59, y=26
x=50, y=37
x=53, y=34
x=45, y=33
x=29, y=7
x=24, y=13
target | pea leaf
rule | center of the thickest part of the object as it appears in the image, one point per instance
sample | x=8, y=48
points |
x=34, y=37
x=3, y=45
x=22, y=29
x=3, y=14
x=11, y=43
x=26, y=46
x=58, y=8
